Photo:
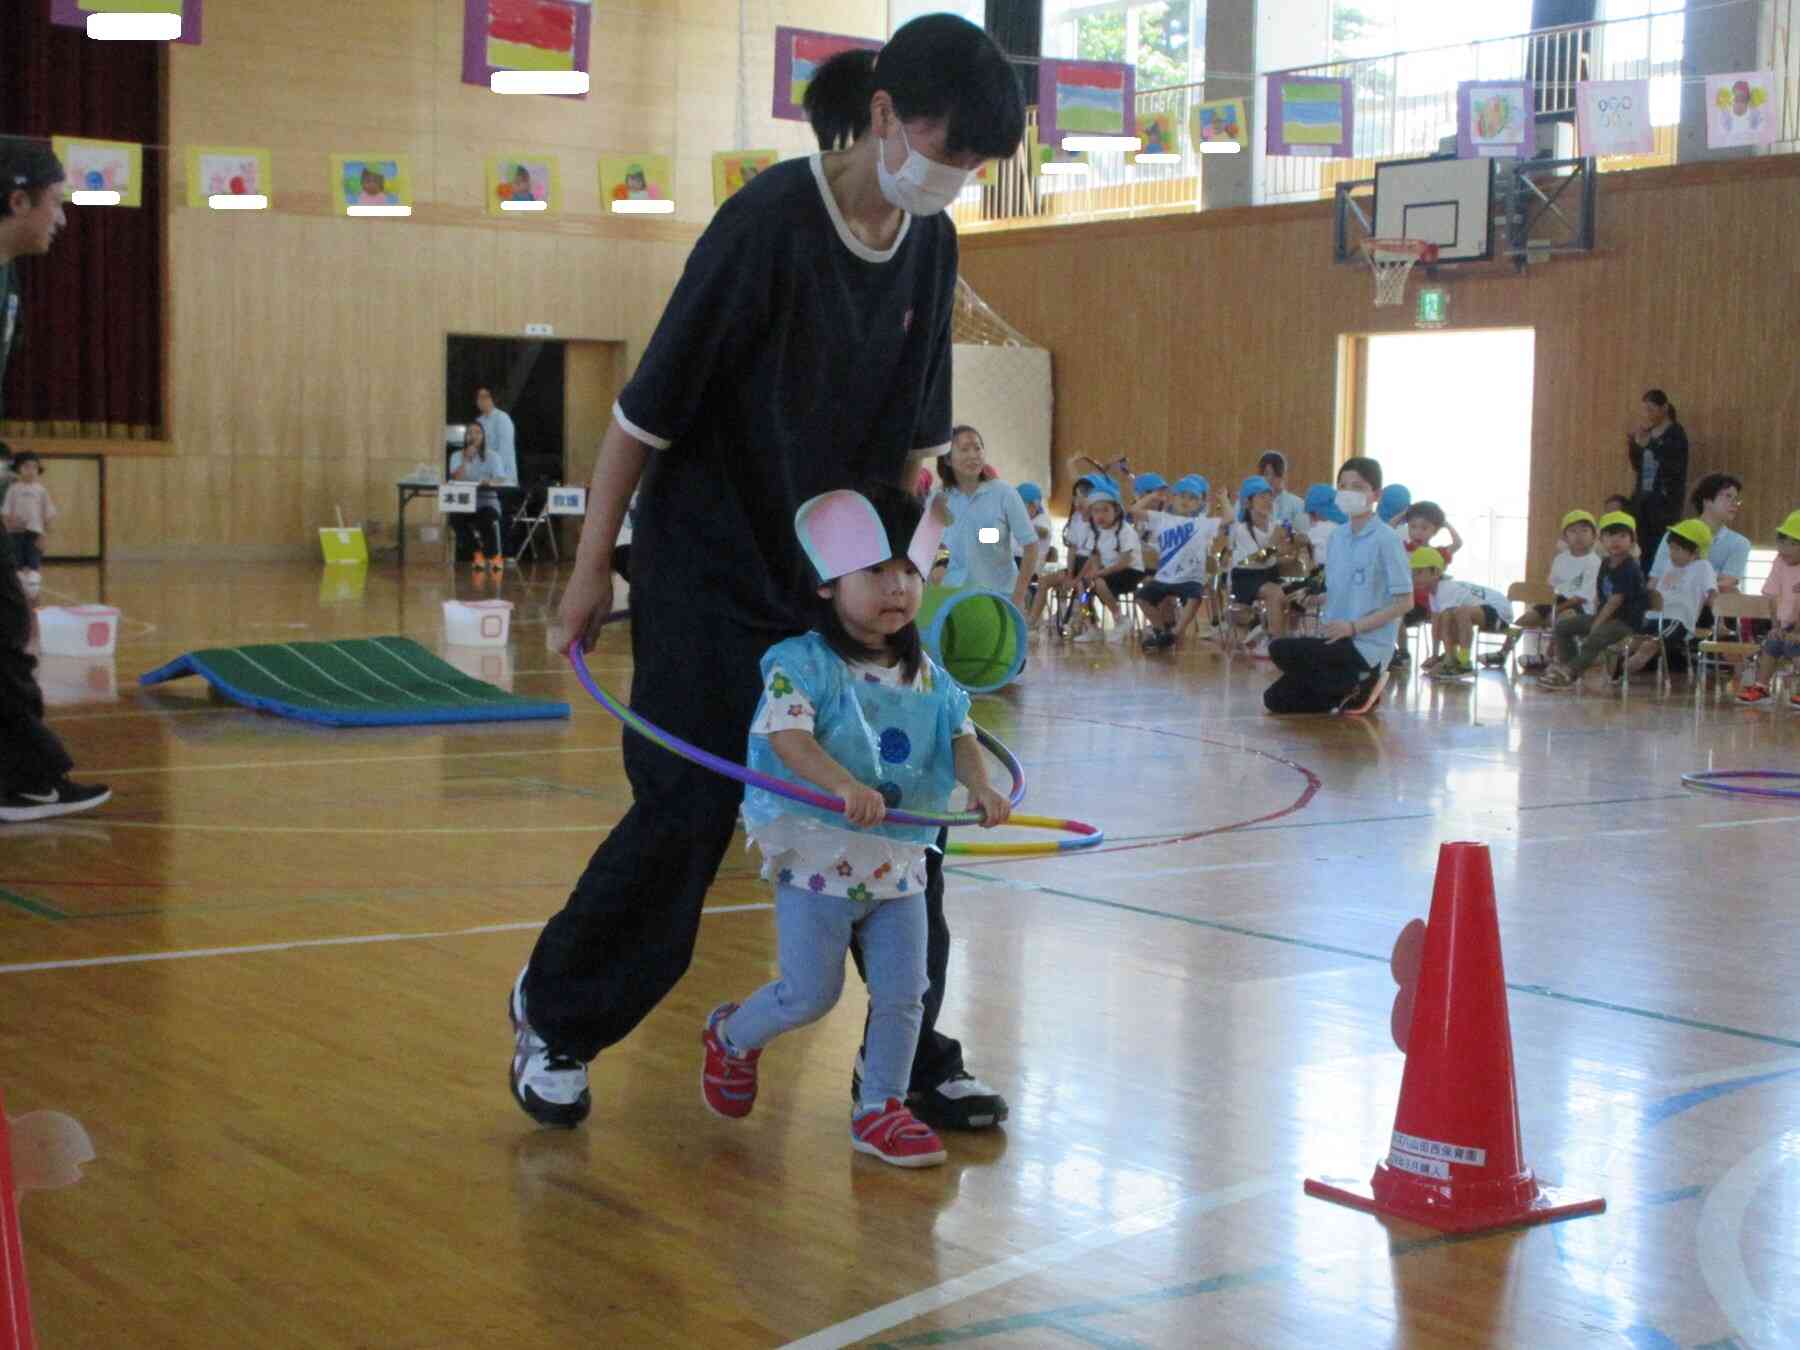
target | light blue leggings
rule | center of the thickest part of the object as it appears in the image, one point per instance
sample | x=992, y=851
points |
x=813, y=935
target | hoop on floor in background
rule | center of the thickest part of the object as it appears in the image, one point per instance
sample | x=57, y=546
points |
x=1730, y=780
x=1086, y=836
x=1392, y=262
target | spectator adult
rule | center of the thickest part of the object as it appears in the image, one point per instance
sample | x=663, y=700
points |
x=989, y=521
x=478, y=531
x=1368, y=586
x=1715, y=500
x=1658, y=450
x=497, y=427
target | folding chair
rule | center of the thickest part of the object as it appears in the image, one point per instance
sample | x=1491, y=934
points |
x=1716, y=650
x=534, y=515
x=1529, y=595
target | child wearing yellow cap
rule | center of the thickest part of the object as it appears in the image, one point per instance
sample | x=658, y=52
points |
x=1624, y=597
x=1458, y=610
x=1784, y=641
x=1687, y=586
x=1573, y=576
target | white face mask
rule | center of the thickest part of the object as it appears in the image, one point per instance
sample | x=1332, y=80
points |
x=922, y=187
x=1353, y=503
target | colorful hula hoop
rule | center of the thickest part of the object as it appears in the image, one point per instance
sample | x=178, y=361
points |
x=1731, y=780
x=1086, y=836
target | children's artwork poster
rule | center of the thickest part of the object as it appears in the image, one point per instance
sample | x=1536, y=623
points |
x=1038, y=153
x=371, y=180
x=731, y=169
x=1159, y=134
x=1086, y=98
x=546, y=35
x=74, y=13
x=523, y=177
x=1495, y=118
x=102, y=166
x=1310, y=116
x=1738, y=110
x=635, y=178
x=799, y=52
x=1612, y=117
x=219, y=172
x=1222, y=119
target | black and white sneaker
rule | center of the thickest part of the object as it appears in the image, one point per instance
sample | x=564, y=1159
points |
x=550, y=1088
x=63, y=799
x=961, y=1102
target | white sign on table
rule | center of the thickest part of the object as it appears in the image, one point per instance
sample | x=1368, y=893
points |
x=568, y=501
x=456, y=498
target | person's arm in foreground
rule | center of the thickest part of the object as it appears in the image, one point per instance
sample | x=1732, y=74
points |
x=588, y=598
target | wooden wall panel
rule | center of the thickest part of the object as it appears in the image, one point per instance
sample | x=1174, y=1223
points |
x=306, y=350
x=74, y=486
x=1196, y=341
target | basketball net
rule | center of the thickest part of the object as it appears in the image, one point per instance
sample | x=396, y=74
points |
x=975, y=322
x=1392, y=262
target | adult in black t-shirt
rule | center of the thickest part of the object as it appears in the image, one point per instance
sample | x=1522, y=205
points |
x=1657, y=449
x=34, y=767
x=806, y=348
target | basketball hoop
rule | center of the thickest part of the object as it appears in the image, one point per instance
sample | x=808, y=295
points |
x=1392, y=261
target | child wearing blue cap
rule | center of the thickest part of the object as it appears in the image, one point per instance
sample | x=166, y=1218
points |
x=1183, y=538
x=1115, y=567
x=1255, y=574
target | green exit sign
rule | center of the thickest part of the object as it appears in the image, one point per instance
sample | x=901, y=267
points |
x=1433, y=307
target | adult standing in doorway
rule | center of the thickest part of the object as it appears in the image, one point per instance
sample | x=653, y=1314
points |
x=1658, y=450
x=497, y=427
x=989, y=521
x=805, y=349
x=34, y=766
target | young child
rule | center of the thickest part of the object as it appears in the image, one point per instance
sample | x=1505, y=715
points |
x=1396, y=499
x=1063, y=587
x=27, y=513
x=1323, y=516
x=1175, y=597
x=1115, y=566
x=1784, y=640
x=1286, y=508
x=1255, y=574
x=1621, y=505
x=857, y=709
x=1420, y=523
x=1573, y=576
x=1624, y=597
x=1687, y=586
x=1459, y=609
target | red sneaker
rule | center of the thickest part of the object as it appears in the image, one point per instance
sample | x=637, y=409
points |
x=728, y=1082
x=1753, y=693
x=895, y=1135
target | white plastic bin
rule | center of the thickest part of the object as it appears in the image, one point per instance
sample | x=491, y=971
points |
x=477, y=623
x=491, y=665
x=78, y=630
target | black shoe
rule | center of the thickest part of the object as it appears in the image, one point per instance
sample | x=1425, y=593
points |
x=1402, y=658
x=64, y=799
x=961, y=1102
x=550, y=1088
x=1493, y=660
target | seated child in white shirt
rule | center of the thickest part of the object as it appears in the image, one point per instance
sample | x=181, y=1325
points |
x=1459, y=609
x=1574, y=581
x=1686, y=587
x=1183, y=537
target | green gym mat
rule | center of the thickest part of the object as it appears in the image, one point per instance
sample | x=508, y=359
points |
x=359, y=682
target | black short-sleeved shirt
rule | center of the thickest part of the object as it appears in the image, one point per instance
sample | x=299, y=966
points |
x=10, y=323
x=791, y=360
x=1626, y=581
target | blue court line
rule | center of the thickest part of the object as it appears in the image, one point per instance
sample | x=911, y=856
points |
x=1239, y=930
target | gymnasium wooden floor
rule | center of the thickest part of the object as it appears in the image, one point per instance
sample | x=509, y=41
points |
x=269, y=980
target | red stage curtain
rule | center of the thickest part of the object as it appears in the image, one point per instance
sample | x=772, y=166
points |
x=90, y=363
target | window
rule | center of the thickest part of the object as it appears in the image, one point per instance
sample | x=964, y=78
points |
x=1164, y=39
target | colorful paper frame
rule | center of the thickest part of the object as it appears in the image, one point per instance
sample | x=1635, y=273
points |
x=395, y=171
x=101, y=166
x=204, y=168
x=543, y=172
x=728, y=169
x=1485, y=108
x=809, y=49
x=478, y=52
x=1160, y=133
x=616, y=172
x=1220, y=120
x=1612, y=117
x=74, y=13
x=1064, y=86
x=1755, y=124
x=1302, y=120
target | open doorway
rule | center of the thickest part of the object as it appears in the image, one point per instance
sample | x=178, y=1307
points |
x=526, y=377
x=1449, y=415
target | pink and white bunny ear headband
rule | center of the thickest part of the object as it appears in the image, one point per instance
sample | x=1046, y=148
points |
x=842, y=533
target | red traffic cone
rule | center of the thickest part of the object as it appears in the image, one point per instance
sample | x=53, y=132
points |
x=1457, y=1163
x=15, y=1298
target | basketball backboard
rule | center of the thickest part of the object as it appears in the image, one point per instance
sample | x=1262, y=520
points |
x=1442, y=200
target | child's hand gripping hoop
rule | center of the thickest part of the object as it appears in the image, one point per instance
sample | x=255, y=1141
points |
x=1086, y=836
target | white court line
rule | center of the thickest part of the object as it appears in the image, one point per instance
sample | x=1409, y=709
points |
x=193, y=953
x=903, y=1310
x=1721, y=1248
x=1740, y=824
x=172, y=825
x=530, y=751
